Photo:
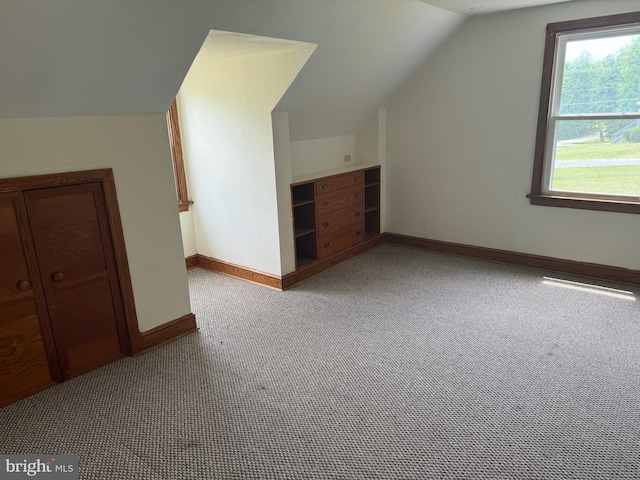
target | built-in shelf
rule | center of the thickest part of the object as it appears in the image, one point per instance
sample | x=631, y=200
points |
x=370, y=235
x=299, y=203
x=302, y=231
x=304, y=218
x=300, y=261
x=372, y=202
x=335, y=213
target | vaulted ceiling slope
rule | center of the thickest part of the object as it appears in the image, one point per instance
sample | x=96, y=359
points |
x=79, y=57
x=118, y=57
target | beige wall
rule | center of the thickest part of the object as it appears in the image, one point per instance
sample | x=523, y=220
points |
x=313, y=156
x=367, y=142
x=461, y=138
x=282, y=156
x=137, y=149
x=225, y=110
x=188, y=233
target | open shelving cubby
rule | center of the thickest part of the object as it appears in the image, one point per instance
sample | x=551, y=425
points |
x=372, y=202
x=304, y=222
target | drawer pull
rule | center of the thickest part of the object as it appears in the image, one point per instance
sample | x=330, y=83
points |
x=357, y=234
x=325, y=224
x=325, y=204
x=327, y=245
x=23, y=285
x=325, y=186
x=357, y=195
x=57, y=277
x=357, y=179
x=357, y=214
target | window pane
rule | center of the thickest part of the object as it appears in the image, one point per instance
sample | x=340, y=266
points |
x=587, y=161
x=601, y=75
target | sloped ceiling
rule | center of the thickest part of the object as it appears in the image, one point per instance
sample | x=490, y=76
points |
x=116, y=57
x=79, y=57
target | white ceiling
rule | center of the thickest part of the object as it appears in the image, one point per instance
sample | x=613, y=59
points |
x=479, y=7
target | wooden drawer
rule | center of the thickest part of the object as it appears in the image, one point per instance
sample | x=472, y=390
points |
x=340, y=219
x=331, y=184
x=340, y=241
x=344, y=198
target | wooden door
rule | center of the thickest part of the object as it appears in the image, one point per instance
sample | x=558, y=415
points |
x=77, y=265
x=27, y=355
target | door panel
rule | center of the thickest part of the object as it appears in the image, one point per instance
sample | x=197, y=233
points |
x=77, y=264
x=69, y=233
x=23, y=359
x=89, y=342
x=14, y=265
x=26, y=364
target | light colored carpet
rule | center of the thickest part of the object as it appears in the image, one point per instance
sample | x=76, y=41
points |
x=399, y=364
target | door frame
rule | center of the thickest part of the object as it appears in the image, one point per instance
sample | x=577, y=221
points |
x=104, y=176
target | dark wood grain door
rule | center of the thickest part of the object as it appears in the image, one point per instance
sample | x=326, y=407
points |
x=27, y=355
x=77, y=265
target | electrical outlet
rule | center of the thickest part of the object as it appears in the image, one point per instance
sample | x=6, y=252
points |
x=347, y=158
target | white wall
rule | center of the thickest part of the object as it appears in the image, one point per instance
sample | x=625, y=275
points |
x=367, y=142
x=137, y=149
x=323, y=154
x=461, y=138
x=371, y=148
x=225, y=114
x=188, y=234
x=282, y=156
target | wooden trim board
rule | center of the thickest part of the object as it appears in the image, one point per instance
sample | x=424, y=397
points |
x=593, y=270
x=571, y=267
x=191, y=262
x=274, y=281
x=166, y=332
x=236, y=271
x=315, y=268
x=178, y=159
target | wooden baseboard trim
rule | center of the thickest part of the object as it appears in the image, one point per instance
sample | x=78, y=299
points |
x=236, y=271
x=571, y=267
x=274, y=281
x=316, y=268
x=165, y=333
x=191, y=261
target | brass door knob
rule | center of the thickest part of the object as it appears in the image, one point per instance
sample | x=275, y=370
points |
x=57, y=276
x=23, y=285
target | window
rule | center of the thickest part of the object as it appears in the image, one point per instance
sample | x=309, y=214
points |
x=178, y=161
x=588, y=142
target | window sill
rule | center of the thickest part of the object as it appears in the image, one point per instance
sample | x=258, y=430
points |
x=584, y=203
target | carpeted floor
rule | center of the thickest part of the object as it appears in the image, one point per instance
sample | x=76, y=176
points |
x=399, y=364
